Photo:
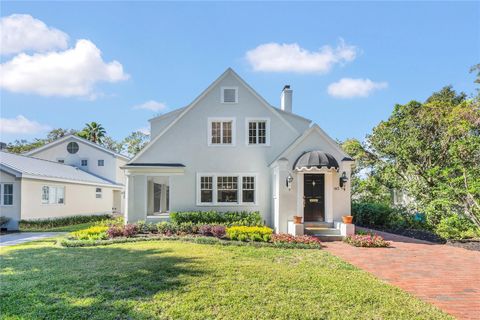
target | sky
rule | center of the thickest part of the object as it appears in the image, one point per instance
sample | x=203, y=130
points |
x=64, y=64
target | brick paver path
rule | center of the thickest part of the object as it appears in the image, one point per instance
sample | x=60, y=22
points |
x=445, y=276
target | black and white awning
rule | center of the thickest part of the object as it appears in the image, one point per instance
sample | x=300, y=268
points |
x=315, y=159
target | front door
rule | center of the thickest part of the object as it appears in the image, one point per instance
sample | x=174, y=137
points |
x=314, y=197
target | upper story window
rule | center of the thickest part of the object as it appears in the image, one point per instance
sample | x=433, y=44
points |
x=84, y=163
x=53, y=195
x=101, y=163
x=221, y=131
x=98, y=193
x=72, y=147
x=6, y=192
x=229, y=95
x=258, y=131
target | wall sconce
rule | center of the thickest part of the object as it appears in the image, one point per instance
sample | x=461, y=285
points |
x=289, y=181
x=343, y=180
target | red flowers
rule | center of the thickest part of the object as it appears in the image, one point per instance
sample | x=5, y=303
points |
x=370, y=240
x=287, y=238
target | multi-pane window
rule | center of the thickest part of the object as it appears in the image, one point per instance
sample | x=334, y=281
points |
x=53, y=195
x=206, y=189
x=213, y=189
x=221, y=132
x=72, y=147
x=7, y=194
x=257, y=132
x=248, y=189
x=84, y=163
x=101, y=163
x=98, y=193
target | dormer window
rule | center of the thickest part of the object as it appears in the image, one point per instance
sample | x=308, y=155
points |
x=229, y=95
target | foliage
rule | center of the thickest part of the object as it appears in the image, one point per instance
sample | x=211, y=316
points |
x=109, y=143
x=288, y=238
x=218, y=231
x=456, y=228
x=45, y=224
x=213, y=217
x=205, y=230
x=4, y=220
x=367, y=240
x=135, y=142
x=93, y=131
x=92, y=233
x=244, y=233
x=127, y=231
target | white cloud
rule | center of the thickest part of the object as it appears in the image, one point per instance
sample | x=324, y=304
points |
x=72, y=72
x=351, y=88
x=152, y=105
x=22, y=32
x=275, y=57
x=21, y=125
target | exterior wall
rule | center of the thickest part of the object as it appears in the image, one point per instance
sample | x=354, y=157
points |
x=13, y=211
x=109, y=171
x=79, y=200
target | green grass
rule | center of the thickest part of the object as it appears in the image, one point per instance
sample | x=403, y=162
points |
x=70, y=228
x=177, y=280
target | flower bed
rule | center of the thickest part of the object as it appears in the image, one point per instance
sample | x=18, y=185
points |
x=368, y=240
x=288, y=238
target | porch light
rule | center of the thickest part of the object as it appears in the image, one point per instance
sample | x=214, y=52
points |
x=343, y=180
x=289, y=181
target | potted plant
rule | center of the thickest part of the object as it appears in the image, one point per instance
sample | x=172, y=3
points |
x=297, y=219
x=347, y=219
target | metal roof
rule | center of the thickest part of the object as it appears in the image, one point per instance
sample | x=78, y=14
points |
x=31, y=167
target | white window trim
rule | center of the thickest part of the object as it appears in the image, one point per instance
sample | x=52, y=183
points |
x=267, y=128
x=222, y=95
x=234, y=132
x=2, y=194
x=215, y=202
x=54, y=186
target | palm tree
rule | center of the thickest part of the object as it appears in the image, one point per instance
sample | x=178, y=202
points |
x=93, y=131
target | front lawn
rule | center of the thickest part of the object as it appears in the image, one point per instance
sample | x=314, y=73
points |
x=178, y=280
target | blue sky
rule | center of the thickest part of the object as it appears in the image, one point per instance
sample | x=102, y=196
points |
x=169, y=52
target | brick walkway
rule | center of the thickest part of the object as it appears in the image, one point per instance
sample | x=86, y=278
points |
x=445, y=276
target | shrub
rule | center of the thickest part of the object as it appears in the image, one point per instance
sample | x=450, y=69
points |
x=61, y=222
x=368, y=240
x=213, y=217
x=115, y=231
x=4, y=220
x=456, y=227
x=205, y=230
x=245, y=233
x=130, y=230
x=218, y=231
x=288, y=238
x=92, y=233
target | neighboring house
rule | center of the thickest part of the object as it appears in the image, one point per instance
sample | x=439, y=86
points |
x=32, y=188
x=90, y=157
x=230, y=150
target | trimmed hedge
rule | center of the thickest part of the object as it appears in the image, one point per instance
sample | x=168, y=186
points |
x=198, y=240
x=244, y=218
x=243, y=233
x=61, y=222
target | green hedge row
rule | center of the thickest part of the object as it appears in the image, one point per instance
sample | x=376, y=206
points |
x=61, y=222
x=243, y=218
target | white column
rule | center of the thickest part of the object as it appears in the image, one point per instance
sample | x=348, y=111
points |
x=328, y=197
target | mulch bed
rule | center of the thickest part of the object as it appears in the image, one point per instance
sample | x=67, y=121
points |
x=473, y=244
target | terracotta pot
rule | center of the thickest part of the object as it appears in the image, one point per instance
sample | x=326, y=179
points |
x=347, y=219
x=297, y=219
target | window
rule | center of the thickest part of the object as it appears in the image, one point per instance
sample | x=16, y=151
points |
x=248, y=189
x=101, y=163
x=258, y=131
x=84, y=163
x=53, y=195
x=206, y=189
x=221, y=132
x=232, y=189
x=98, y=193
x=61, y=161
x=72, y=147
x=227, y=189
x=229, y=95
x=7, y=191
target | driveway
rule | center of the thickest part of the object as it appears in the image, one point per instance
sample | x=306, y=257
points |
x=22, y=237
x=445, y=276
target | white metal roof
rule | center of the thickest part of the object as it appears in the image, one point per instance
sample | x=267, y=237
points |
x=29, y=167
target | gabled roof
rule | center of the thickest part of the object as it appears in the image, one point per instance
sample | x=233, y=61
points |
x=313, y=128
x=75, y=137
x=186, y=109
x=34, y=168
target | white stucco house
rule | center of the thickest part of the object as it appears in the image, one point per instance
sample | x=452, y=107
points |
x=69, y=176
x=230, y=150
